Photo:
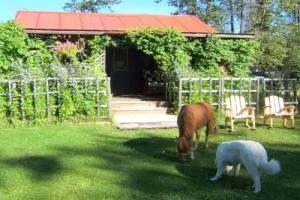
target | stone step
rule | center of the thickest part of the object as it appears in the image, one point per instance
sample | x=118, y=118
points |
x=146, y=125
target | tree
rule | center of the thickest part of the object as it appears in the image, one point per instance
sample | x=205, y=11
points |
x=210, y=11
x=292, y=8
x=90, y=5
x=292, y=61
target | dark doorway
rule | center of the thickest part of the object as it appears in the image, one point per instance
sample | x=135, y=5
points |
x=126, y=67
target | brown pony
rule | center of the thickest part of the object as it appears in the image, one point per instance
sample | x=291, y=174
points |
x=191, y=118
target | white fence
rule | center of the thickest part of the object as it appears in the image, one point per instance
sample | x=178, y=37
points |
x=47, y=99
x=215, y=90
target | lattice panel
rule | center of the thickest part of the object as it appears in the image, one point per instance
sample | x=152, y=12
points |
x=102, y=58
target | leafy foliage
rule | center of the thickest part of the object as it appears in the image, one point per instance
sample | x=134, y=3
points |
x=217, y=57
x=16, y=49
x=273, y=50
x=13, y=44
x=271, y=21
x=168, y=47
x=292, y=61
x=210, y=56
x=31, y=60
x=97, y=46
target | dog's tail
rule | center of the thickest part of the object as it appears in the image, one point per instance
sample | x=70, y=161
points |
x=271, y=167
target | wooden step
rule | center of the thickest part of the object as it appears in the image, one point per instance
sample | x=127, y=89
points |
x=149, y=111
x=144, y=118
x=132, y=112
x=138, y=105
x=146, y=125
x=134, y=99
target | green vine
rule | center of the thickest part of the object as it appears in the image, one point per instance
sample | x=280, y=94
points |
x=168, y=47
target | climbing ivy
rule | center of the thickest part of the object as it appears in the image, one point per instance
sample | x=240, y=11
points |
x=209, y=56
x=213, y=56
x=168, y=47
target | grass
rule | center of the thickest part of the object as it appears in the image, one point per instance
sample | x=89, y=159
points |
x=100, y=162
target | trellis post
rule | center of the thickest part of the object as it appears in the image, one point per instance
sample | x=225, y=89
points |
x=210, y=88
x=34, y=99
x=257, y=95
x=108, y=96
x=180, y=94
x=190, y=90
x=10, y=100
x=220, y=93
x=97, y=98
x=249, y=91
x=58, y=98
x=22, y=101
x=47, y=99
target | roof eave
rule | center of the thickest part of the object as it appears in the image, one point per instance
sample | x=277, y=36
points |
x=63, y=32
x=220, y=35
x=101, y=32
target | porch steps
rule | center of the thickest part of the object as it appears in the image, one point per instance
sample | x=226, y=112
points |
x=139, y=112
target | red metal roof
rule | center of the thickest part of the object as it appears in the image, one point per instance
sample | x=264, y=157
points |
x=85, y=22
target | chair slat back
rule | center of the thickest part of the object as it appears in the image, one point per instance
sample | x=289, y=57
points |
x=237, y=104
x=276, y=104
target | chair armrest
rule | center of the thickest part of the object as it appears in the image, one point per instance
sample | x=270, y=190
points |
x=228, y=112
x=267, y=111
x=289, y=108
x=250, y=110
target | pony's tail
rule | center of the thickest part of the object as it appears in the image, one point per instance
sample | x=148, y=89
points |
x=271, y=167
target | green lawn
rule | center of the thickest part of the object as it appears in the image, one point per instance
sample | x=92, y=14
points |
x=100, y=162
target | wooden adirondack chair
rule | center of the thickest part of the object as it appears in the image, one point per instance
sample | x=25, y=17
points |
x=236, y=109
x=275, y=107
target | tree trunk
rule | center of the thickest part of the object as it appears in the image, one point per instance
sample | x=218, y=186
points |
x=242, y=16
x=231, y=10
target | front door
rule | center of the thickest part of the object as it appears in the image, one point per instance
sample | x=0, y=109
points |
x=125, y=67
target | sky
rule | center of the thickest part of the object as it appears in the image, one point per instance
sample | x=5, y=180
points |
x=8, y=8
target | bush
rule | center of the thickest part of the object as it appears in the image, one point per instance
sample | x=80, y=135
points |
x=21, y=55
x=31, y=60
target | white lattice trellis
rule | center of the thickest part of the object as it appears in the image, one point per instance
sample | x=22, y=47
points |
x=102, y=58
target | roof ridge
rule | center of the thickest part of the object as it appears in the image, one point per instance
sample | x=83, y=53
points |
x=124, y=14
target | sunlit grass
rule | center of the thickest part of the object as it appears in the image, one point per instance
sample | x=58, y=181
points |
x=100, y=162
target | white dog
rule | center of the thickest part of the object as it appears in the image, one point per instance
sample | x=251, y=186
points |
x=253, y=156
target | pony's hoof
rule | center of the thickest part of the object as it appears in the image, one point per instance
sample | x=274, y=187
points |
x=214, y=179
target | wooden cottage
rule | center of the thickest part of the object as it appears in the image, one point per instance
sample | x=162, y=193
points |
x=125, y=66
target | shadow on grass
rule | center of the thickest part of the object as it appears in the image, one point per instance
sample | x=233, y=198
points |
x=203, y=167
x=41, y=167
x=148, y=167
x=155, y=147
